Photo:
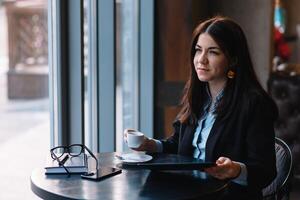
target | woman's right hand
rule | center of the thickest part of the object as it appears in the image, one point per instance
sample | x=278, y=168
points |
x=148, y=144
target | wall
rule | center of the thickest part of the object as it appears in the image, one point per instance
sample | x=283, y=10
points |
x=174, y=23
x=293, y=19
x=255, y=17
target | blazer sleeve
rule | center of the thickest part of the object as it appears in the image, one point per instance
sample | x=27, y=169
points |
x=260, y=141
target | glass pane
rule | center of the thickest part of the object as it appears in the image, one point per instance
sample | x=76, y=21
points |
x=24, y=101
x=127, y=67
x=90, y=74
x=87, y=132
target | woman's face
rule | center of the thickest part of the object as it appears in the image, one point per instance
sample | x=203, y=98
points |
x=210, y=62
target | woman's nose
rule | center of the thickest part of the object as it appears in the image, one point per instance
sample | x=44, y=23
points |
x=202, y=58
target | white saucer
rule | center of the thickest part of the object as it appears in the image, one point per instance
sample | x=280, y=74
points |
x=134, y=157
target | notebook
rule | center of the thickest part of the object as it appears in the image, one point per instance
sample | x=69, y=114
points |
x=170, y=162
x=76, y=164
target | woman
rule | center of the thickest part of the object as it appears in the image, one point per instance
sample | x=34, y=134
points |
x=226, y=116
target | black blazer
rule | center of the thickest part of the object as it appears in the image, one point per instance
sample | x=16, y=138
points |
x=246, y=136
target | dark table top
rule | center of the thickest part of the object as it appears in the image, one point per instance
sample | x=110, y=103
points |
x=130, y=184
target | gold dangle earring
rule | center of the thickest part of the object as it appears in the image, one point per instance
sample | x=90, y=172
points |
x=231, y=74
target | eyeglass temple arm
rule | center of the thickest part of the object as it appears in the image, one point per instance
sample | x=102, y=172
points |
x=63, y=161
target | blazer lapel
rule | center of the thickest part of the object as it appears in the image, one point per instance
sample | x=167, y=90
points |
x=212, y=140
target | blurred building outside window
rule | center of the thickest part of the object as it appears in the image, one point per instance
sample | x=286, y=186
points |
x=24, y=102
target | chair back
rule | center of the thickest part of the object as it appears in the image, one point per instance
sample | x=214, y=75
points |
x=279, y=188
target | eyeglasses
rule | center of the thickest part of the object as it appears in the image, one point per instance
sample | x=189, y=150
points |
x=58, y=154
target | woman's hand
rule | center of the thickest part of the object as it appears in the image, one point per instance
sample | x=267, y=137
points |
x=225, y=169
x=148, y=144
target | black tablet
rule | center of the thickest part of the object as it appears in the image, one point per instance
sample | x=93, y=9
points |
x=170, y=162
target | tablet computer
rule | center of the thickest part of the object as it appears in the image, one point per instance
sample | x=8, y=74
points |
x=170, y=162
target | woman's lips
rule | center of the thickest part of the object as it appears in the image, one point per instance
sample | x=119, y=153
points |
x=202, y=69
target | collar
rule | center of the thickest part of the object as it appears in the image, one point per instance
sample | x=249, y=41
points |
x=209, y=105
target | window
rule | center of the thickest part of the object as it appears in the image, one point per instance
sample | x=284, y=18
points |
x=100, y=61
x=127, y=69
x=24, y=99
x=134, y=56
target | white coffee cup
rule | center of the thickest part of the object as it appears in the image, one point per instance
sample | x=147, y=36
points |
x=135, y=139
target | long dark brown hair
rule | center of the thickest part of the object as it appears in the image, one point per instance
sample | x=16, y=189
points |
x=232, y=41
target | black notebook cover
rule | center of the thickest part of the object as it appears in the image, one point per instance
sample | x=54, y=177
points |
x=170, y=162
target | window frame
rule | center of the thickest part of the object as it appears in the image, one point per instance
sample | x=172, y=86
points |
x=66, y=72
x=66, y=76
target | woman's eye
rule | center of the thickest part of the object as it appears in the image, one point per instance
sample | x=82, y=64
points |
x=214, y=52
x=198, y=50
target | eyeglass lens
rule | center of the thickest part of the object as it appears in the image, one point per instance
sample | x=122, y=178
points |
x=75, y=150
x=58, y=152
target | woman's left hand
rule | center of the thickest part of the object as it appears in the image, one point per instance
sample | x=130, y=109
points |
x=225, y=169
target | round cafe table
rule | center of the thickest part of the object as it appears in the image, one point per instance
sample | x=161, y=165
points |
x=130, y=184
